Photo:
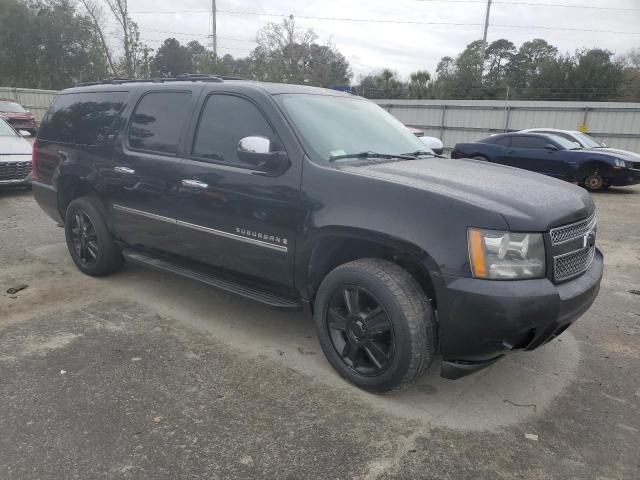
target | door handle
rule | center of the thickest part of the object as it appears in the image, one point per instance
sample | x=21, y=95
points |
x=194, y=184
x=125, y=170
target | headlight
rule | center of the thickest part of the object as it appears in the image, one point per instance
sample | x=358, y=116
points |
x=505, y=255
x=620, y=163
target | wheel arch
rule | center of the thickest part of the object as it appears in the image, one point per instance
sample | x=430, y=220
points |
x=589, y=166
x=75, y=183
x=335, y=246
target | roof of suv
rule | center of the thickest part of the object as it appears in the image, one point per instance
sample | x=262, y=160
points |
x=270, y=88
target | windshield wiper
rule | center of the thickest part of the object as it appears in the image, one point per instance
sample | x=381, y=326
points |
x=371, y=155
x=417, y=153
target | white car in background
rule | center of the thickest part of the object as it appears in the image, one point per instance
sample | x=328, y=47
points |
x=15, y=157
x=583, y=140
x=433, y=143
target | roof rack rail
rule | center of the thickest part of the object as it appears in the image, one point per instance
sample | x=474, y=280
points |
x=183, y=77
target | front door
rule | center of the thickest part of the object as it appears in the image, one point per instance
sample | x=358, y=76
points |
x=144, y=178
x=529, y=153
x=231, y=215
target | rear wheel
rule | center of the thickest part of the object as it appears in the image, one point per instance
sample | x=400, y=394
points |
x=375, y=324
x=89, y=240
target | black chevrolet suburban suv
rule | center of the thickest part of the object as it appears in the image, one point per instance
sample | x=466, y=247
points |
x=304, y=198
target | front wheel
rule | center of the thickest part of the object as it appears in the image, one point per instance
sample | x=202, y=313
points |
x=594, y=182
x=375, y=324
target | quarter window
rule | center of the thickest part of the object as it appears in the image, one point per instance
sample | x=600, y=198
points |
x=158, y=120
x=225, y=120
x=82, y=118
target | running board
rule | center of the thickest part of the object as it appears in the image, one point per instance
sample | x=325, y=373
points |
x=252, y=293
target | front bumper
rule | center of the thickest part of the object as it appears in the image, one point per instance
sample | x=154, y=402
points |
x=15, y=172
x=482, y=320
x=625, y=176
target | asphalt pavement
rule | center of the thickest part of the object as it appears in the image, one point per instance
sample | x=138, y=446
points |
x=143, y=375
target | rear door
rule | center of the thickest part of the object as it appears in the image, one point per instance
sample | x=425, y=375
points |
x=144, y=178
x=230, y=215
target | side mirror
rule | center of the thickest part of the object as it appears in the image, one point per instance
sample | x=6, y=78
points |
x=256, y=150
x=24, y=133
x=550, y=147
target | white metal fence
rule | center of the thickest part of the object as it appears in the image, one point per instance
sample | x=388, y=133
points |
x=37, y=101
x=455, y=121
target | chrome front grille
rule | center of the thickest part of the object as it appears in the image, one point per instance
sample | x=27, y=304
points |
x=572, y=264
x=14, y=170
x=573, y=248
x=572, y=231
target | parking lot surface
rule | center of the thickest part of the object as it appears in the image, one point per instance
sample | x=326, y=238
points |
x=145, y=375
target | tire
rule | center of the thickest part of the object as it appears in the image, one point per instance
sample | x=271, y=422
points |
x=97, y=255
x=481, y=158
x=393, y=316
x=593, y=182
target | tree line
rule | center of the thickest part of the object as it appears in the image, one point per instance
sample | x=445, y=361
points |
x=53, y=44
x=534, y=71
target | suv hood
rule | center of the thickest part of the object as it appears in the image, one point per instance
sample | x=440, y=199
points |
x=527, y=201
x=14, y=146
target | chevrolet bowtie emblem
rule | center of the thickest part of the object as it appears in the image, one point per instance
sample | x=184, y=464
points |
x=589, y=239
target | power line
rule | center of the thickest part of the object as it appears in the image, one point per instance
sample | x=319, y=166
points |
x=406, y=22
x=567, y=5
x=504, y=2
x=538, y=4
x=480, y=2
x=201, y=35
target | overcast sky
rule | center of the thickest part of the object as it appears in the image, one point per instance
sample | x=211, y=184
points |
x=404, y=47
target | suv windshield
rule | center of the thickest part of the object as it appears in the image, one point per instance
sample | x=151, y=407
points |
x=587, y=140
x=335, y=127
x=11, y=107
x=6, y=130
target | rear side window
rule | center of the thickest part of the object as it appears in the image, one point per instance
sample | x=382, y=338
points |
x=82, y=118
x=528, y=142
x=158, y=120
x=225, y=120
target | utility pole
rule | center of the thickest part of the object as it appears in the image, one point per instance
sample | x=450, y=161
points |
x=486, y=28
x=214, y=39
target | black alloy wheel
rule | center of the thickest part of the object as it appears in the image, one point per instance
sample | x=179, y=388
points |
x=84, y=238
x=375, y=324
x=91, y=244
x=361, y=330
